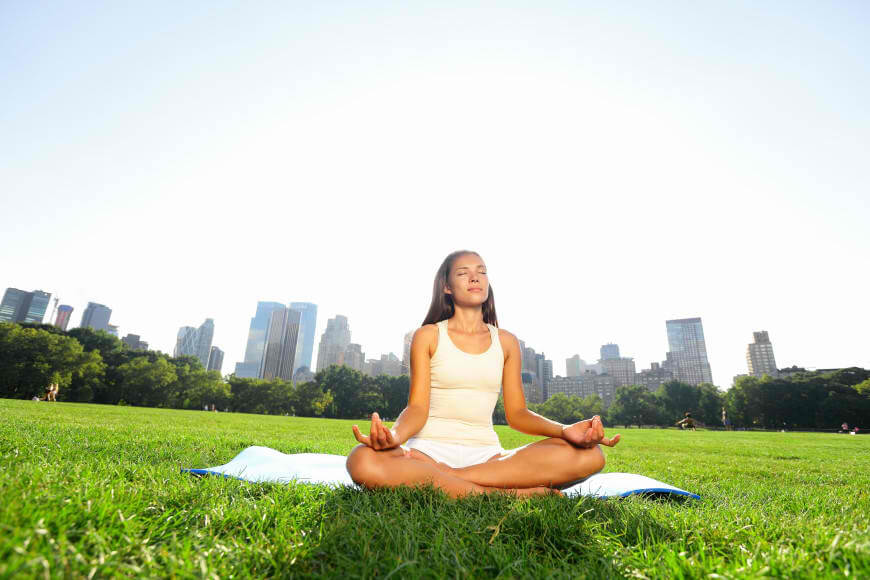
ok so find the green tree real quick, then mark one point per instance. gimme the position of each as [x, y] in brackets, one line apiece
[676, 398]
[634, 405]
[32, 358]
[145, 383]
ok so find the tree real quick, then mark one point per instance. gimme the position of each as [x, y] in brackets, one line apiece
[354, 395]
[634, 405]
[31, 359]
[676, 398]
[143, 383]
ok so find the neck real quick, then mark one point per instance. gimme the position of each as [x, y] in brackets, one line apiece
[467, 319]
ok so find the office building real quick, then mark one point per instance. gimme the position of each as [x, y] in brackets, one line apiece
[759, 355]
[406, 352]
[113, 330]
[64, 313]
[250, 367]
[282, 336]
[96, 316]
[196, 342]
[388, 364]
[575, 366]
[687, 358]
[215, 359]
[609, 351]
[621, 369]
[583, 386]
[333, 342]
[22, 306]
[307, 327]
[653, 377]
[353, 357]
[531, 388]
[134, 342]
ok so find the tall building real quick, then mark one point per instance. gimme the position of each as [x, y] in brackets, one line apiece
[545, 373]
[21, 306]
[96, 316]
[621, 369]
[389, 364]
[250, 368]
[609, 351]
[282, 337]
[64, 313]
[353, 357]
[307, 326]
[759, 355]
[687, 358]
[333, 343]
[195, 341]
[215, 359]
[113, 330]
[575, 366]
[406, 352]
[204, 336]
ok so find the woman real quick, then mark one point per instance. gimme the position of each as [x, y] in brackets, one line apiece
[460, 360]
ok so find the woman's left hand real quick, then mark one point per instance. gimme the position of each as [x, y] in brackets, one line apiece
[588, 433]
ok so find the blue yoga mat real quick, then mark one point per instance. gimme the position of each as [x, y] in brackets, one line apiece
[262, 464]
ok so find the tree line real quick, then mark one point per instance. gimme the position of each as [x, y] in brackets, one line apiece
[96, 367]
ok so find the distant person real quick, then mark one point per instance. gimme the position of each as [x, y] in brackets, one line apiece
[725, 422]
[51, 392]
[687, 422]
[36, 398]
[460, 362]
[844, 428]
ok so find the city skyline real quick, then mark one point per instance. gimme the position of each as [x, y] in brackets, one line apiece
[609, 349]
[615, 165]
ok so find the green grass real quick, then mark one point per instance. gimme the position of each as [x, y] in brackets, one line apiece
[89, 490]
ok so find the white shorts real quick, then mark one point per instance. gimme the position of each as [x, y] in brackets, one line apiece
[452, 454]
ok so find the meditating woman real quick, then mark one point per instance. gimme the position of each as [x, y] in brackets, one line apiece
[460, 360]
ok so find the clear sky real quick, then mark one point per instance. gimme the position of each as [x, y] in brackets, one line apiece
[616, 165]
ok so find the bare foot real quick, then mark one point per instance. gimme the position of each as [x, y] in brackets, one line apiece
[542, 490]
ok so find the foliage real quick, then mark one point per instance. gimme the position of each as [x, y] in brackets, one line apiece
[634, 405]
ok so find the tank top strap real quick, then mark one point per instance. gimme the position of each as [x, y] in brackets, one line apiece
[493, 332]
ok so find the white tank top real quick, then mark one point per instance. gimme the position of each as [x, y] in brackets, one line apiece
[464, 391]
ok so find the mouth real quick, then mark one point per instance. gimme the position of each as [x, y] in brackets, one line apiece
[475, 289]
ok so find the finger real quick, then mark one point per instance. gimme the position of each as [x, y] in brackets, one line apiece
[359, 436]
[610, 442]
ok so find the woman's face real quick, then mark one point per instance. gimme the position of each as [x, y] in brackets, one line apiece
[468, 282]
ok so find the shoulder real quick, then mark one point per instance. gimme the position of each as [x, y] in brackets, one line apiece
[508, 341]
[426, 337]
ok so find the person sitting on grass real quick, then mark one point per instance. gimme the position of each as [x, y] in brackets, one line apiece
[687, 422]
[460, 360]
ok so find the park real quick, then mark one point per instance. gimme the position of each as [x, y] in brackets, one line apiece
[97, 491]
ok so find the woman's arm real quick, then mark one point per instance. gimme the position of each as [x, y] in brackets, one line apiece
[583, 433]
[415, 414]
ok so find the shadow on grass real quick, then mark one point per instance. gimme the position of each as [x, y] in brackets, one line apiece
[423, 533]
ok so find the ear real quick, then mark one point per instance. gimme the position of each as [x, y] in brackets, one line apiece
[447, 289]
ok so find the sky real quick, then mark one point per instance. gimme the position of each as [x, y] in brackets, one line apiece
[616, 165]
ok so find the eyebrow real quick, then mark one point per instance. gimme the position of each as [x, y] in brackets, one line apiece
[466, 267]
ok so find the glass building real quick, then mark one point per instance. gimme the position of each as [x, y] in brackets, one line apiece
[21, 306]
[96, 316]
[307, 323]
[688, 351]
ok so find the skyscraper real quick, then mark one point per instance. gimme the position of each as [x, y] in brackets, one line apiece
[687, 358]
[333, 343]
[250, 368]
[353, 357]
[621, 369]
[759, 355]
[134, 342]
[64, 313]
[96, 316]
[307, 326]
[609, 351]
[215, 359]
[575, 366]
[204, 336]
[195, 341]
[21, 306]
[406, 352]
[282, 337]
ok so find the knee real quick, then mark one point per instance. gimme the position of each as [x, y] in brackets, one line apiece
[589, 461]
[363, 466]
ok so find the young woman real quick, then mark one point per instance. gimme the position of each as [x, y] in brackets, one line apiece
[460, 360]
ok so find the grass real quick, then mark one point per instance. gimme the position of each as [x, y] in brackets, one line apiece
[95, 491]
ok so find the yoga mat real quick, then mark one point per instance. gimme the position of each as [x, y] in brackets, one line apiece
[263, 464]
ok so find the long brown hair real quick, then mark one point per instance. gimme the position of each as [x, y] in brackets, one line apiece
[442, 303]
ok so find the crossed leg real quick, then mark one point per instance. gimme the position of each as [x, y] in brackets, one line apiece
[528, 470]
[392, 468]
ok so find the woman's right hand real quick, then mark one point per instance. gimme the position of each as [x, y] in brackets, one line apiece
[379, 437]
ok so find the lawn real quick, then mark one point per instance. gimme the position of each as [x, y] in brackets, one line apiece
[89, 490]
